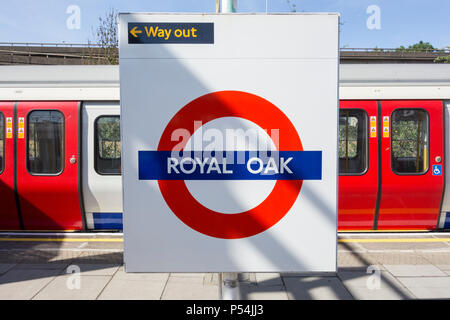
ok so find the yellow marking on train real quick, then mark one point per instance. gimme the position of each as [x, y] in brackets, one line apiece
[380, 240]
[425, 158]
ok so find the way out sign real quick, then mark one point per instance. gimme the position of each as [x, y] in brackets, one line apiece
[229, 127]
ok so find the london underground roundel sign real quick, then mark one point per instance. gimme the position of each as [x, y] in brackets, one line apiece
[171, 165]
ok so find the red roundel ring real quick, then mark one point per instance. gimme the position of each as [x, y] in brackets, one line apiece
[239, 225]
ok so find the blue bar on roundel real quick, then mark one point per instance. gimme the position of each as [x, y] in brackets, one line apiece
[230, 165]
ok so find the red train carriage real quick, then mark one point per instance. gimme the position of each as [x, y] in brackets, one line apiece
[60, 171]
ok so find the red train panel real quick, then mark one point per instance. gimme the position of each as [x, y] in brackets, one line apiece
[47, 165]
[412, 143]
[391, 165]
[9, 217]
[400, 185]
[358, 190]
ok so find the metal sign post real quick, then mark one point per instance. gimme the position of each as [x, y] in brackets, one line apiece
[229, 282]
[228, 6]
[229, 286]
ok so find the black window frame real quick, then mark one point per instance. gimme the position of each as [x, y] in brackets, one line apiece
[428, 143]
[63, 149]
[96, 149]
[2, 167]
[365, 135]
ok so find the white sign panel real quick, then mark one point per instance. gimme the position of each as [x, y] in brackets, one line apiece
[229, 130]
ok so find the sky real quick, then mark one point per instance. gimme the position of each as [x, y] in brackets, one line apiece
[364, 23]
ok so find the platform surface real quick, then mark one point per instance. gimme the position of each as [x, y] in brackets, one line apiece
[90, 266]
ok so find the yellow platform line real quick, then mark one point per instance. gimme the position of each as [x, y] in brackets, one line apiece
[397, 240]
[387, 240]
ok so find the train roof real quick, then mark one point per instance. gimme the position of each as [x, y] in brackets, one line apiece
[394, 74]
[59, 76]
[101, 82]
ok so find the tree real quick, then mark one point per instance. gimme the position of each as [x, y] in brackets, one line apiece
[109, 137]
[292, 6]
[106, 39]
[443, 59]
[420, 46]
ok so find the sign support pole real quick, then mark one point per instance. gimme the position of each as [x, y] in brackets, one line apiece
[229, 286]
[228, 6]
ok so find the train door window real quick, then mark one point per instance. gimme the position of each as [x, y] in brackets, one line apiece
[45, 142]
[352, 142]
[410, 139]
[2, 141]
[107, 145]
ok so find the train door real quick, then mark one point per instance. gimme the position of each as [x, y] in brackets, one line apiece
[102, 180]
[412, 152]
[48, 165]
[9, 217]
[444, 219]
[358, 164]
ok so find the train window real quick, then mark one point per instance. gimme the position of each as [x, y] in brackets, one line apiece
[409, 141]
[107, 145]
[2, 141]
[352, 142]
[45, 142]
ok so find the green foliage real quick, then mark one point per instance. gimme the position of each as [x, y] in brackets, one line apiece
[404, 139]
[443, 59]
[106, 37]
[292, 6]
[109, 137]
[420, 46]
[348, 129]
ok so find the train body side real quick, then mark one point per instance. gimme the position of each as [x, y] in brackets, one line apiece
[381, 186]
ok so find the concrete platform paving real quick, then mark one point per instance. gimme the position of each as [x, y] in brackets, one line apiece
[90, 266]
